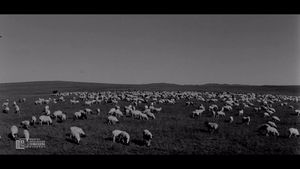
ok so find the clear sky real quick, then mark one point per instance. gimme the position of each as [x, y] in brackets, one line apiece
[182, 49]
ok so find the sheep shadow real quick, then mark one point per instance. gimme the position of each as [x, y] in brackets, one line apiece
[68, 139]
[108, 139]
[11, 137]
[138, 142]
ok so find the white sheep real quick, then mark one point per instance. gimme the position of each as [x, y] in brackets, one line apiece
[26, 134]
[246, 120]
[293, 132]
[211, 126]
[45, 119]
[272, 124]
[98, 111]
[17, 109]
[266, 114]
[230, 119]
[25, 124]
[272, 130]
[147, 136]
[6, 109]
[221, 113]
[57, 113]
[76, 133]
[112, 120]
[33, 120]
[151, 115]
[297, 112]
[121, 136]
[275, 118]
[241, 112]
[14, 131]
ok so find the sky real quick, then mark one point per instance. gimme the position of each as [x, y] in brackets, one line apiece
[138, 49]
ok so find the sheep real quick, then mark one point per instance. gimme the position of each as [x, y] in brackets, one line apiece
[112, 120]
[293, 132]
[241, 112]
[197, 112]
[272, 130]
[33, 120]
[211, 126]
[246, 120]
[275, 118]
[266, 114]
[115, 133]
[45, 119]
[121, 136]
[98, 111]
[6, 110]
[272, 124]
[230, 119]
[17, 109]
[76, 133]
[25, 124]
[57, 113]
[62, 117]
[26, 134]
[80, 115]
[147, 136]
[144, 116]
[87, 110]
[14, 131]
[221, 113]
[151, 115]
[297, 112]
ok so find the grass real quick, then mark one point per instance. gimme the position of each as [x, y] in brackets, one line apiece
[174, 131]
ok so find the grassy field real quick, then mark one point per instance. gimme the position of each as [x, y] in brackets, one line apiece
[174, 131]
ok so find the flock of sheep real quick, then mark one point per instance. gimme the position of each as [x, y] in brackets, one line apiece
[232, 104]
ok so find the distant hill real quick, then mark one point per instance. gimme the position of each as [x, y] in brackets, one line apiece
[46, 87]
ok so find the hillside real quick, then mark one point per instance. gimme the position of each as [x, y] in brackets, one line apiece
[46, 87]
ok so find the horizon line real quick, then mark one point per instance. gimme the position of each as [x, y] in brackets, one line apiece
[232, 84]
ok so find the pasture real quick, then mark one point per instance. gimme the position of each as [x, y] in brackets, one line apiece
[174, 130]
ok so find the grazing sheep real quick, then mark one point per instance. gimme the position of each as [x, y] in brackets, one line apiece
[246, 120]
[57, 113]
[98, 111]
[6, 110]
[17, 109]
[76, 133]
[197, 112]
[297, 112]
[62, 117]
[272, 130]
[112, 120]
[241, 112]
[14, 131]
[221, 113]
[121, 136]
[293, 132]
[230, 119]
[275, 118]
[87, 110]
[26, 134]
[33, 120]
[45, 119]
[147, 136]
[115, 133]
[25, 124]
[266, 114]
[211, 126]
[151, 115]
[272, 124]
[80, 115]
